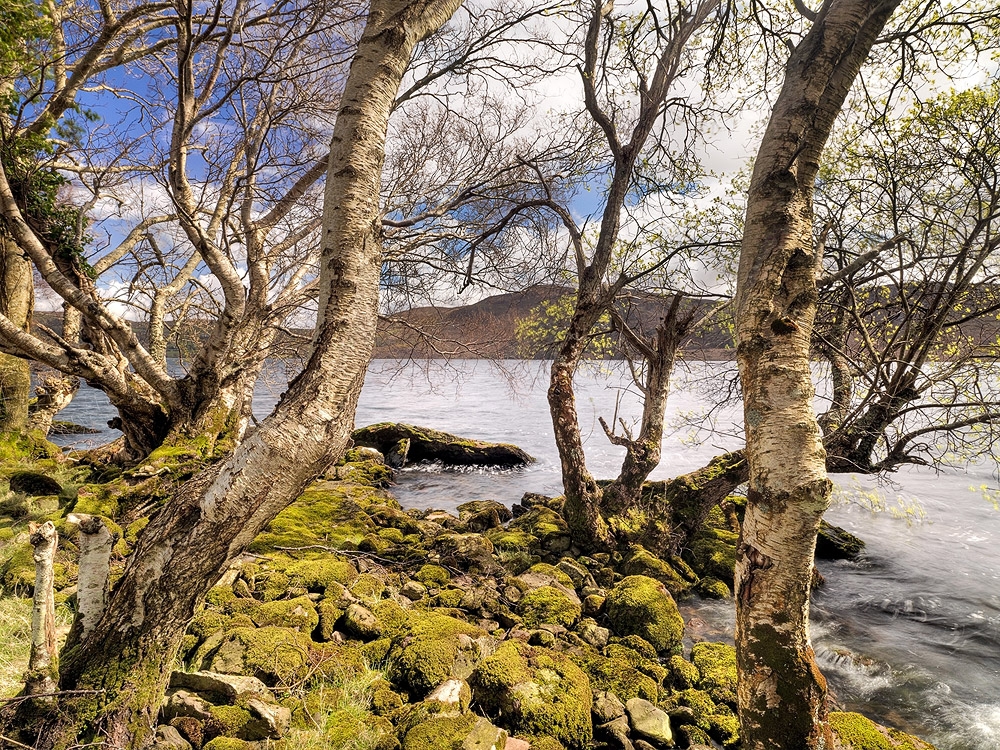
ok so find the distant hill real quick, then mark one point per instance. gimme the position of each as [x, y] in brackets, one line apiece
[484, 329]
[488, 328]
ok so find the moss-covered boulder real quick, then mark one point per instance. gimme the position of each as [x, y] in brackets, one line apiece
[835, 543]
[548, 605]
[34, 484]
[545, 525]
[713, 553]
[454, 732]
[642, 562]
[535, 691]
[333, 514]
[618, 676]
[642, 606]
[429, 648]
[298, 613]
[276, 656]
[716, 663]
[852, 731]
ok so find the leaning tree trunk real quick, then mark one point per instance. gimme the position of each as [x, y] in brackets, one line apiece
[583, 495]
[17, 299]
[182, 552]
[782, 695]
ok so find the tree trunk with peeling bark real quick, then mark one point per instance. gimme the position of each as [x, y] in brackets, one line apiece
[17, 300]
[212, 519]
[782, 694]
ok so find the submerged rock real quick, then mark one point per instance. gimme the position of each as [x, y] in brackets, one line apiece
[835, 543]
[433, 445]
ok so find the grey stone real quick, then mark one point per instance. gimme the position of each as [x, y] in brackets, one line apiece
[360, 621]
[395, 457]
[616, 731]
[577, 573]
[227, 686]
[485, 736]
[593, 633]
[649, 722]
[413, 590]
[183, 703]
[453, 695]
[607, 707]
[268, 721]
[168, 738]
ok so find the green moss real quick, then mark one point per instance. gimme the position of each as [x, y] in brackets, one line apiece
[433, 576]
[713, 553]
[133, 530]
[392, 618]
[713, 588]
[724, 728]
[537, 692]
[367, 587]
[227, 743]
[298, 613]
[329, 613]
[545, 743]
[642, 606]
[644, 563]
[328, 513]
[228, 720]
[717, 664]
[449, 598]
[427, 649]
[274, 655]
[385, 700]
[207, 622]
[319, 572]
[617, 675]
[700, 702]
[683, 674]
[547, 604]
[857, 732]
[393, 536]
[507, 539]
[98, 500]
[439, 733]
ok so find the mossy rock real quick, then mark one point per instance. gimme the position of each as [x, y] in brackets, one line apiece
[544, 570]
[683, 674]
[547, 526]
[318, 573]
[548, 605]
[642, 562]
[642, 606]
[433, 576]
[277, 656]
[724, 728]
[227, 743]
[368, 587]
[716, 662]
[852, 731]
[34, 484]
[700, 703]
[535, 691]
[298, 613]
[426, 649]
[333, 514]
[512, 539]
[226, 720]
[712, 588]
[385, 700]
[617, 675]
[440, 733]
[713, 553]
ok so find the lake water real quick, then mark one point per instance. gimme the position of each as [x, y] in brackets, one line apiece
[910, 635]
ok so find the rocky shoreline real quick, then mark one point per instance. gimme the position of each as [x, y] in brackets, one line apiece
[353, 623]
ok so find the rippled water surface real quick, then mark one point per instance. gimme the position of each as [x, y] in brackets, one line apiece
[909, 635]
